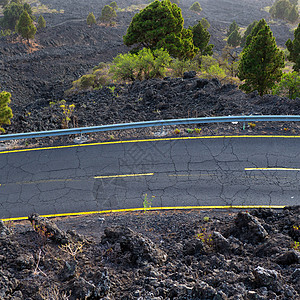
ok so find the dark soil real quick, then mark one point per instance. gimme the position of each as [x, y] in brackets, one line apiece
[154, 255]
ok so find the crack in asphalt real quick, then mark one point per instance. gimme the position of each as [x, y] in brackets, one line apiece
[186, 172]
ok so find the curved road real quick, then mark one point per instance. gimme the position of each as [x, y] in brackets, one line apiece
[177, 172]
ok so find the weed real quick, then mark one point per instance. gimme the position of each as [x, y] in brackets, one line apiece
[198, 130]
[189, 130]
[296, 246]
[54, 293]
[147, 203]
[205, 237]
[112, 89]
[72, 248]
[206, 219]
[67, 112]
[42, 232]
[177, 131]
[111, 137]
[251, 125]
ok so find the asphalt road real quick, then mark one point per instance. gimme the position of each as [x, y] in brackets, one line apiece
[205, 171]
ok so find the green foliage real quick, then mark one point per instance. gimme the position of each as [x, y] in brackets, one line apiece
[234, 38]
[25, 26]
[11, 15]
[5, 32]
[114, 5]
[196, 7]
[247, 32]
[160, 25]
[210, 68]
[145, 64]
[205, 23]
[5, 110]
[285, 10]
[294, 49]
[201, 38]
[289, 86]
[230, 60]
[147, 203]
[4, 2]
[91, 20]
[41, 22]
[107, 14]
[261, 61]
[233, 26]
[180, 66]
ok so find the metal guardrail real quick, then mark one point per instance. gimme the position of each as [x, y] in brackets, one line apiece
[158, 123]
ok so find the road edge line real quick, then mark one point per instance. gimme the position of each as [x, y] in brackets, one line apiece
[150, 209]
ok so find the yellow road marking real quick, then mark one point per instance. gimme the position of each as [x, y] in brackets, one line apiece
[271, 169]
[152, 209]
[152, 140]
[125, 175]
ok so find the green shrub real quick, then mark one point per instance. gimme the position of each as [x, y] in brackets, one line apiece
[41, 22]
[143, 65]
[178, 67]
[5, 110]
[114, 5]
[91, 20]
[289, 86]
[196, 7]
[107, 14]
[87, 81]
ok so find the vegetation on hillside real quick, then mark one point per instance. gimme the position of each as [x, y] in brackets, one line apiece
[25, 26]
[160, 25]
[285, 10]
[294, 49]
[261, 61]
[5, 110]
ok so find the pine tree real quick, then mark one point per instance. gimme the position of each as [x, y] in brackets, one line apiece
[41, 22]
[201, 38]
[196, 7]
[114, 5]
[205, 23]
[294, 49]
[293, 14]
[25, 26]
[233, 26]
[5, 110]
[107, 14]
[91, 20]
[234, 38]
[247, 32]
[160, 25]
[261, 61]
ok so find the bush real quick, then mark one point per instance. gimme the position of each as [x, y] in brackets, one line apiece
[5, 110]
[285, 10]
[114, 5]
[210, 68]
[178, 67]
[143, 65]
[91, 20]
[41, 22]
[289, 86]
[107, 14]
[234, 38]
[196, 7]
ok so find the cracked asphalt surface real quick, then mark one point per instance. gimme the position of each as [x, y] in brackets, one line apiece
[204, 171]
